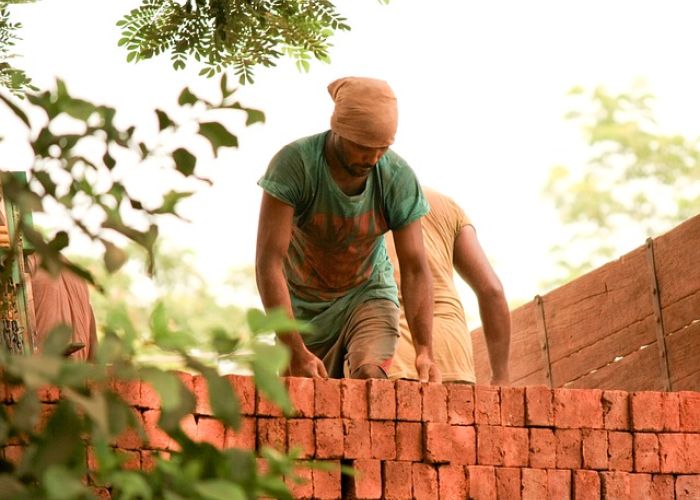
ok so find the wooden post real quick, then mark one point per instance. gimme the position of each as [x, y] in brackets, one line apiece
[658, 317]
[544, 340]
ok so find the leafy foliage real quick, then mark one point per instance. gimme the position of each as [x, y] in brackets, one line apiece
[231, 33]
[73, 175]
[11, 78]
[637, 182]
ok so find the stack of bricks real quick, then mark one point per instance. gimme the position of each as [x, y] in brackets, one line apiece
[410, 440]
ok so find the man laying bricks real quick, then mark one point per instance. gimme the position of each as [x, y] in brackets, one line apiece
[328, 200]
[451, 243]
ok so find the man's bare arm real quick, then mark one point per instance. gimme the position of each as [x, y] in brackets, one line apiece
[274, 235]
[417, 293]
[473, 266]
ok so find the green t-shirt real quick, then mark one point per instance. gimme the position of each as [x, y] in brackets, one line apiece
[337, 258]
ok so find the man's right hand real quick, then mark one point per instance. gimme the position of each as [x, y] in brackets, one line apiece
[307, 365]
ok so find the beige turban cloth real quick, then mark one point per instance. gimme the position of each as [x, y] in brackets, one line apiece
[365, 111]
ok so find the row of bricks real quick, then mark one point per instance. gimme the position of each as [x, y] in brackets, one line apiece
[376, 479]
[432, 442]
[534, 406]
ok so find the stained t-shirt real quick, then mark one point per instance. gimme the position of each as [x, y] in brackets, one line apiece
[452, 346]
[337, 257]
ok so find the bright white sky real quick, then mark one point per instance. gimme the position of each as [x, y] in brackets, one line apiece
[481, 88]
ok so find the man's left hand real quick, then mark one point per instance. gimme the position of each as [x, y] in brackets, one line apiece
[427, 369]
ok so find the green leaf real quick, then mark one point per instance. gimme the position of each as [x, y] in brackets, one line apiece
[187, 97]
[94, 405]
[62, 484]
[267, 362]
[77, 108]
[130, 485]
[164, 120]
[217, 135]
[114, 257]
[275, 321]
[16, 110]
[57, 340]
[223, 401]
[170, 201]
[254, 116]
[185, 161]
[220, 489]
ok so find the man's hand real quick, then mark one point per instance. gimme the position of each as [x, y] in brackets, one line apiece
[427, 369]
[307, 365]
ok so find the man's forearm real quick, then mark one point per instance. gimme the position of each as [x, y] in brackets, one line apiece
[417, 293]
[495, 317]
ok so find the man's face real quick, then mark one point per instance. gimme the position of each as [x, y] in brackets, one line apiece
[357, 160]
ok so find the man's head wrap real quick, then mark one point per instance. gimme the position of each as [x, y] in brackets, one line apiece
[365, 111]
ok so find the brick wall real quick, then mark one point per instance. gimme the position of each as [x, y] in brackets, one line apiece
[411, 440]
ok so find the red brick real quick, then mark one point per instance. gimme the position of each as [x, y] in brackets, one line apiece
[672, 453]
[189, 426]
[692, 445]
[507, 483]
[578, 408]
[515, 445]
[367, 482]
[620, 451]
[130, 459]
[513, 406]
[149, 459]
[128, 390]
[101, 493]
[408, 400]
[539, 410]
[245, 437]
[201, 396]
[244, 387]
[662, 486]
[655, 411]
[156, 438]
[488, 445]
[272, 432]
[487, 405]
[329, 437]
[534, 484]
[594, 449]
[646, 452]
[425, 481]
[559, 483]
[616, 413]
[381, 399]
[568, 448]
[437, 444]
[383, 439]
[543, 448]
[354, 398]
[48, 394]
[689, 406]
[398, 481]
[300, 435]
[212, 431]
[640, 486]
[616, 485]
[301, 394]
[300, 481]
[688, 487]
[265, 407]
[409, 441]
[14, 454]
[586, 485]
[460, 404]
[464, 445]
[452, 480]
[357, 438]
[327, 482]
[482, 482]
[13, 393]
[434, 402]
[327, 397]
